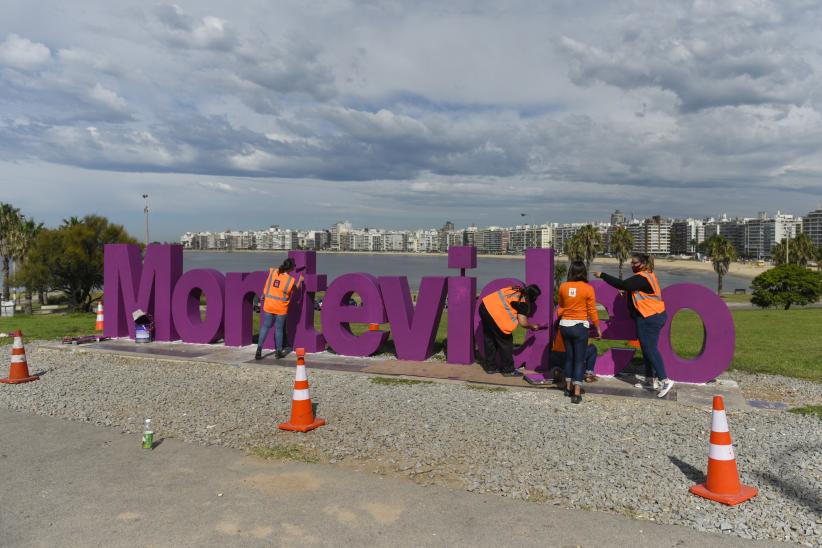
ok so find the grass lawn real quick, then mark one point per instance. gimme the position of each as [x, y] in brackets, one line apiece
[780, 342]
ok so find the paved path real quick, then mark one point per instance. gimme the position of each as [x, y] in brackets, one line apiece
[72, 484]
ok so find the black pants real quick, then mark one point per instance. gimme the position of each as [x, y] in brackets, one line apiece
[496, 342]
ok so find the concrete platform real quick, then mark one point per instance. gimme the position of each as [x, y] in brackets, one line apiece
[695, 395]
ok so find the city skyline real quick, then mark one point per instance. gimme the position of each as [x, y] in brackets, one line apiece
[752, 237]
[406, 114]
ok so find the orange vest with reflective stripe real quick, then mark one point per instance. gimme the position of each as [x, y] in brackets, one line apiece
[649, 304]
[277, 292]
[498, 305]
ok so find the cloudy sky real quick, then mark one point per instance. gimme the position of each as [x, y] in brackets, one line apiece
[407, 114]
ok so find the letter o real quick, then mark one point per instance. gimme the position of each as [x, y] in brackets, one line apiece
[185, 306]
[720, 338]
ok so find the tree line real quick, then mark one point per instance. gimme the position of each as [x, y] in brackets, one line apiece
[68, 258]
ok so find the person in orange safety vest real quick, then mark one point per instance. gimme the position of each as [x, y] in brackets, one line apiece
[501, 312]
[276, 296]
[648, 310]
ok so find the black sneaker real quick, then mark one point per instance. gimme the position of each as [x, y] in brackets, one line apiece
[279, 354]
[258, 355]
[490, 370]
[513, 373]
[576, 398]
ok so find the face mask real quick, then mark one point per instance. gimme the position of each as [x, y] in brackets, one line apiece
[636, 268]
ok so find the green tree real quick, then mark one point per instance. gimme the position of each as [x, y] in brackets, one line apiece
[786, 285]
[622, 242]
[71, 257]
[721, 252]
[801, 251]
[27, 231]
[584, 245]
[560, 273]
[9, 236]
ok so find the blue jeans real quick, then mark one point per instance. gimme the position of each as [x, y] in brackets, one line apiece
[558, 359]
[266, 321]
[648, 330]
[576, 342]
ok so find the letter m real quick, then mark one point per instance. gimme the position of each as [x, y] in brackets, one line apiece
[130, 283]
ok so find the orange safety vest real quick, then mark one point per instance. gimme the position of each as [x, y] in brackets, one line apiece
[277, 292]
[649, 304]
[498, 305]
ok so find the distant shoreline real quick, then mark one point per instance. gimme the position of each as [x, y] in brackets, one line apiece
[662, 264]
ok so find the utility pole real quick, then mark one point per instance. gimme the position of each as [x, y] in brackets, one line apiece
[145, 211]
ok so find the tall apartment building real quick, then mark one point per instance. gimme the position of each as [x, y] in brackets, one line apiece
[731, 229]
[617, 218]
[651, 236]
[395, 241]
[686, 235]
[563, 233]
[338, 240]
[762, 233]
[812, 226]
[492, 240]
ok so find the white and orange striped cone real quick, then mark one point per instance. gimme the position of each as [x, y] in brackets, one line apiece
[723, 483]
[19, 369]
[302, 412]
[99, 326]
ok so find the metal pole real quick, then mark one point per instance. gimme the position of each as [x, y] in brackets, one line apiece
[787, 244]
[145, 211]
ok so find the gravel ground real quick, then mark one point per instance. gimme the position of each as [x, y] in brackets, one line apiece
[635, 457]
[794, 392]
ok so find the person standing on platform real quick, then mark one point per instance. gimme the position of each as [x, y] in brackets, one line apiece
[558, 358]
[276, 298]
[501, 312]
[577, 311]
[648, 310]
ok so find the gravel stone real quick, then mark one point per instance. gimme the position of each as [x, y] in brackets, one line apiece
[629, 456]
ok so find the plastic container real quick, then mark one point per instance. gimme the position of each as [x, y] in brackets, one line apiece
[148, 435]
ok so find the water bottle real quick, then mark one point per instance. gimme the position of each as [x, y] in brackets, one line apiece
[148, 435]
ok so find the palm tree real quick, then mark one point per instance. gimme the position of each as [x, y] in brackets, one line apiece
[27, 232]
[721, 252]
[801, 251]
[622, 242]
[584, 245]
[9, 228]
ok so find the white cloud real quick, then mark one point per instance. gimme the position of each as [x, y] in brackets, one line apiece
[22, 53]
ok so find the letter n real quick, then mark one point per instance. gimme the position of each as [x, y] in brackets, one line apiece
[130, 284]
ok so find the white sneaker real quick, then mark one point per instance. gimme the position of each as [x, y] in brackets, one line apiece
[665, 388]
[656, 384]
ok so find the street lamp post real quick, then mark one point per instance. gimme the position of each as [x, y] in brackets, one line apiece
[145, 211]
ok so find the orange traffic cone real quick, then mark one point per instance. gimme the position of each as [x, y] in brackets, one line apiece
[302, 412]
[634, 343]
[723, 478]
[99, 325]
[19, 369]
[373, 327]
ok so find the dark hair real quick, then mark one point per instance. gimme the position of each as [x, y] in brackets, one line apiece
[577, 272]
[287, 266]
[645, 260]
[530, 292]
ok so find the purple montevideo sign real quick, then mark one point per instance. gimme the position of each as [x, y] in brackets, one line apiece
[720, 338]
[132, 283]
[462, 292]
[157, 286]
[413, 328]
[337, 315]
[185, 306]
[618, 326]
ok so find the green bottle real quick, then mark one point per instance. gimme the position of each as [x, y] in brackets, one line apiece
[148, 435]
